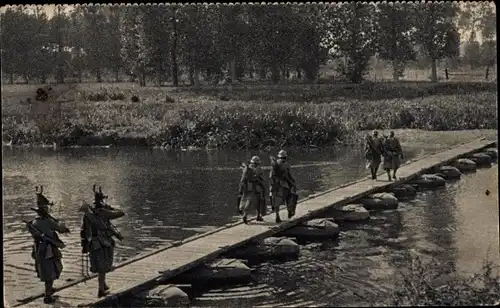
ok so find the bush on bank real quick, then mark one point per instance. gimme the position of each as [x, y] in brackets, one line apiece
[324, 93]
[202, 121]
[418, 287]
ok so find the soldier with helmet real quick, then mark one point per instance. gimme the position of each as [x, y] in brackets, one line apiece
[97, 237]
[282, 186]
[374, 150]
[46, 249]
[252, 189]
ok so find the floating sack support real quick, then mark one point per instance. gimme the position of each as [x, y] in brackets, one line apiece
[316, 229]
[449, 172]
[427, 181]
[481, 159]
[380, 201]
[350, 212]
[165, 295]
[270, 248]
[404, 191]
[465, 165]
[223, 270]
[492, 152]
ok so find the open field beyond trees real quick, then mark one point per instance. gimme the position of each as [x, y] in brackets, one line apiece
[240, 116]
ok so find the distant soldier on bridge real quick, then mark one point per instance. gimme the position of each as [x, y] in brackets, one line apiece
[46, 249]
[393, 154]
[282, 186]
[373, 153]
[97, 237]
[252, 190]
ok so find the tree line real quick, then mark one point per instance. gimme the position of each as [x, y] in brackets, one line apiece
[230, 42]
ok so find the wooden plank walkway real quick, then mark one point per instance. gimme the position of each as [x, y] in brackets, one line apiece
[143, 272]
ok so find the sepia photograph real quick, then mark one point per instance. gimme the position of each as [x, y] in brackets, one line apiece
[271, 154]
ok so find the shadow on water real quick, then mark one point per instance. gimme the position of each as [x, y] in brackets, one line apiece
[169, 196]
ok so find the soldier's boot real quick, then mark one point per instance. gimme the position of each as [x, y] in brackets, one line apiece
[259, 215]
[375, 170]
[394, 175]
[278, 219]
[245, 221]
[389, 174]
[102, 285]
[49, 291]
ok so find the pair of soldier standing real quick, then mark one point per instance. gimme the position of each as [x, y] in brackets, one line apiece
[387, 147]
[96, 235]
[282, 188]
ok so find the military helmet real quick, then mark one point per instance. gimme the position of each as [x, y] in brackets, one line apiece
[255, 160]
[282, 154]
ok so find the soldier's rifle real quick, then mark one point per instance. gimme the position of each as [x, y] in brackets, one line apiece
[41, 236]
[109, 224]
[45, 214]
[102, 225]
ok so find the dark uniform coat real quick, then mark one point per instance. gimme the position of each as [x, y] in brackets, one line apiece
[252, 189]
[96, 231]
[373, 151]
[48, 257]
[393, 153]
[282, 185]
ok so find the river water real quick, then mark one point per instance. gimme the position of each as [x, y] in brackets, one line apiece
[168, 196]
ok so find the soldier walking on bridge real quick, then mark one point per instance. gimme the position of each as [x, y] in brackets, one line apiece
[97, 237]
[252, 189]
[282, 186]
[392, 156]
[373, 152]
[48, 257]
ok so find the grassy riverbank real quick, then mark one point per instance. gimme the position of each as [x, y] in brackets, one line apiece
[241, 116]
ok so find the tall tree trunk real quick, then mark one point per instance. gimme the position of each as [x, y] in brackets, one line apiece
[395, 70]
[191, 74]
[173, 54]
[11, 78]
[117, 74]
[98, 74]
[434, 71]
[299, 73]
[487, 72]
[250, 71]
[196, 77]
[262, 72]
[234, 76]
[275, 73]
[60, 59]
[60, 67]
[142, 80]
